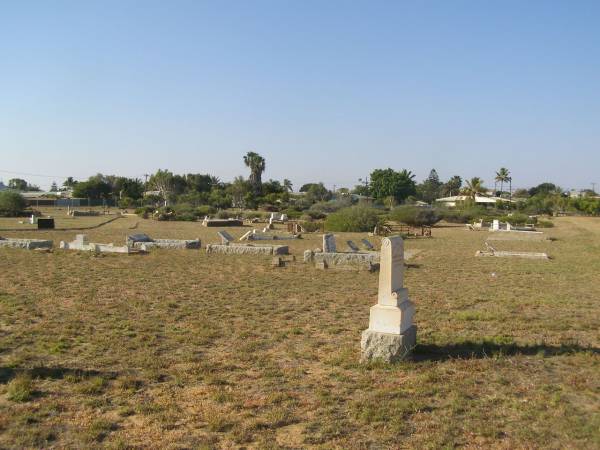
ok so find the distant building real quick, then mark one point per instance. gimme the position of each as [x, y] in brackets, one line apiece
[479, 200]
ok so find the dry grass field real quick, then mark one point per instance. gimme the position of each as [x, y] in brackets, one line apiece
[180, 349]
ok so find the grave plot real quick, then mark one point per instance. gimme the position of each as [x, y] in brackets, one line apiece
[502, 229]
[222, 222]
[28, 244]
[82, 243]
[491, 251]
[254, 235]
[228, 247]
[145, 242]
[329, 257]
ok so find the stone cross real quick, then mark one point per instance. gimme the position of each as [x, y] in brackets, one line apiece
[226, 238]
[329, 243]
[391, 334]
[352, 246]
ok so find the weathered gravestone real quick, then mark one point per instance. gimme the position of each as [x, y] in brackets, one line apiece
[391, 334]
[367, 244]
[352, 246]
[329, 243]
[226, 238]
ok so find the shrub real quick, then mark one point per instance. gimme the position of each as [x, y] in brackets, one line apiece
[311, 227]
[544, 224]
[355, 218]
[314, 215]
[204, 210]
[415, 216]
[463, 215]
[223, 214]
[126, 202]
[331, 206]
[516, 219]
[20, 389]
[292, 213]
[12, 204]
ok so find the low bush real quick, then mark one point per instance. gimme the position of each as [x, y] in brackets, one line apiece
[204, 210]
[463, 215]
[544, 224]
[355, 218]
[20, 389]
[292, 213]
[516, 219]
[224, 214]
[311, 227]
[330, 206]
[144, 211]
[415, 215]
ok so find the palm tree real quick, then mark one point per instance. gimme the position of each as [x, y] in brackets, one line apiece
[287, 185]
[474, 187]
[256, 163]
[502, 176]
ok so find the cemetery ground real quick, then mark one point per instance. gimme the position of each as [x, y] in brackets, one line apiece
[180, 349]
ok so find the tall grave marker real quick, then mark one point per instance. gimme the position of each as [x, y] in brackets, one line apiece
[391, 334]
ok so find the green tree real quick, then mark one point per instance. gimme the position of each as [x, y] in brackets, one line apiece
[95, 187]
[11, 203]
[287, 184]
[431, 188]
[474, 187]
[389, 183]
[163, 181]
[18, 184]
[317, 192]
[257, 165]
[452, 186]
[502, 176]
[239, 190]
[544, 189]
[69, 182]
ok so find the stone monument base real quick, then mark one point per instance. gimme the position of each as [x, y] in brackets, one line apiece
[387, 347]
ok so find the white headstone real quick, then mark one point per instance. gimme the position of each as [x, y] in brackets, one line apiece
[496, 224]
[391, 334]
[329, 243]
[391, 271]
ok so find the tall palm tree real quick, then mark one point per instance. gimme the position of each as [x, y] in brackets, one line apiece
[502, 176]
[287, 185]
[474, 187]
[256, 163]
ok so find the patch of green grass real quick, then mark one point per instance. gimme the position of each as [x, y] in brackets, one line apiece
[20, 388]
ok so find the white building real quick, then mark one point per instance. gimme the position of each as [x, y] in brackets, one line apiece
[479, 200]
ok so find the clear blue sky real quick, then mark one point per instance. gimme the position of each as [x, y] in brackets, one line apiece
[324, 90]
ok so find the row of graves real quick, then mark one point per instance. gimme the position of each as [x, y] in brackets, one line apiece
[504, 231]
